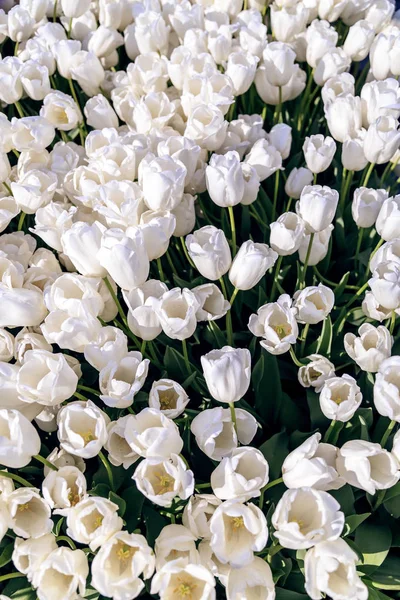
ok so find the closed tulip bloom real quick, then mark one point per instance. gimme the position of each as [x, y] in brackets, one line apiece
[99, 113]
[280, 137]
[120, 381]
[21, 307]
[227, 373]
[124, 257]
[62, 575]
[287, 233]
[296, 181]
[276, 324]
[312, 464]
[359, 40]
[20, 24]
[316, 372]
[163, 480]
[224, 178]
[35, 80]
[197, 512]
[367, 466]
[319, 152]
[279, 60]
[249, 580]
[141, 301]
[176, 311]
[175, 541]
[237, 531]
[339, 398]
[34, 190]
[64, 488]
[313, 303]
[387, 390]
[344, 117]
[216, 435]
[32, 133]
[92, 521]
[74, 8]
[207, 127]
[264, 158]
[6, 345]
[306, 517]
[372, 309]
[153, 435]
[371, 348]
[156, 228]
[337, 87]
[320, 246]
[81, 244]
[385, 285]
[389, 252]
[382, 140]
[112, 344]
[388, 220]
[330, 568]
[30, 514]
[20, 440]
[169, 397]
[162, 181]
[317, 207]
[321, 37]
[384, 55]
[366, 204]
[88, 71]
[212, 303]
[379, 99]
[82, 429]
[188, 576]
[120, 565]
[353, 156]
[61, 111]
[288, 21]
[241, 68]
[333, 62]
[251, 264]
[210, 252]
[241, 475]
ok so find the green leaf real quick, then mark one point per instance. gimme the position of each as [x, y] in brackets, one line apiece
[317, 418]
[175, 364]
[392, 501]
[387, 577]
[101, 489]
[374, 542]
[341, 286]
[134, 501]
[282, 594]
[120, 502]
[267, 387]
[353, 521]
[5, 556]
[325, 339]
[345, 497]
[275, 450]
[154, 523]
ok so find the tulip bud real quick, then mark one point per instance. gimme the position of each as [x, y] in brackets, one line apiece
[359, 40]
[385, 285]
[317, 207]
[185, 216]
[319, 152]
[371, 348]
[279, 61]
[162, 181]
[287, 22]
[99, 113]
[34, 190]
[388, 220]
[241, 68]
[379, 14]
[386, 392]
[227, 373]
[20, 24]
[276, 324]
[124, 257]
[344, 117]
[313, 303]
[382, 140]
[296, 181]
[176, 311]
[383, 56]
[333, 62]
[316, 372]
[35, 80]
[250, 265]
[366, 205]
[169, 397]
[280, 137]
[353, 156]
[88, 71]
[330, 568]
[207, 127]
[210, 252]
[229, 480]
[367, 466]
[81, 243]
[224, 177]
[321, 37]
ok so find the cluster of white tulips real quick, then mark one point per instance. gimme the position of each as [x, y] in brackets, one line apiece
[199, 292]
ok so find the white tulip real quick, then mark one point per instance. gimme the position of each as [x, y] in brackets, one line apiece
[385, 285]
[312, 464]
[388, 219]
[120, 381]
[237, 531]
[382, 140]
[330, 568]
[276, 324]
[92, 521]
[64, 488]
[366, 205]
[197, 513]
[169, 397]
[227, 373]
[19, 440]
[359, 40]
[119, 565]
[287, 233]
[340, 397]
[306, 517]
[386, 389]
[32, 133]
[82, 429]
[317, 207]
[124, 257]
[29, 554]
[81, 244]
[265, 159]
[313, 303]
[162, 481]
[61, 111]
[321, 37]
[319, 249]
[212, 303]
[371, 348]
[210, 252]
[367, 466]
[252, 579]
[176, 311]
[186, 579]
[153, 435]
[141, 301]
[319, 152]
[206, 126]
[61, 575]
[112, 344]
[30, 514]
[251, 264]
[316, 372]
[241, 475]
[175, 541]
[6, 345]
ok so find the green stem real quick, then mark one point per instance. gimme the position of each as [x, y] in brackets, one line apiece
[11, 576]
[108, 469]
[117, 302]
[21, 221]
[235, 293]
[80, 397]
[294, 358]
[329, 431]
[387, 433]
[392, 322]
[315, 179]
[233, 228]
[278, 114]
[55, 11]
[276, 191]
[359, 241]
[185, 250]
[64, 538]
[143, 347]
[16, 48]
[368, 175]
[304, 338]
[303, 273]
[69, 28]
[85, 388]
[186, 357]
[276, 275]
[272, 484]
[229, 328]
[45, 462]
[7, 188]
[16, 478]
[20, 110]
[160, 270]
[233, 415]
[171, 264]
[374, 251]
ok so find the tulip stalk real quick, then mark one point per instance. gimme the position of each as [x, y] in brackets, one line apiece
[233, 228]
[45, 462]
[16, 478]
[233, 415]
[229, 328]
[303, 273]
[107, 467]
[387, 433]
[329, 431]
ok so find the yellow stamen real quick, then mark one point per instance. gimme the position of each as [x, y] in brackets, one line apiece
[237, 522]
[23, 507]
[124, 552]
[282, 331]
[184, 589]
[87, 436]
[166, 483]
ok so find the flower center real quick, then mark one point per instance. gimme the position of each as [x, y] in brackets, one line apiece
[184, 590]
[124, 552]
[88, 436]
[23, 507]
[237, 522]
[165, 483]
[282, 330]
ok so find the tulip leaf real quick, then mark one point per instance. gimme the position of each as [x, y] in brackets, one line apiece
[374, 542]
[134, 500]
[5, 556]
[120, 502]
[282, 594]
[325, 339]
[345, 497]
[387, 577]
[275, 450]
[154, 523]
[317, 418]
[392, 501]
[341, 286]
[267, 387]
[175, 364]
[353, 521]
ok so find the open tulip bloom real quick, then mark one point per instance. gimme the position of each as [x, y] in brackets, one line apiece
[199, 299]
